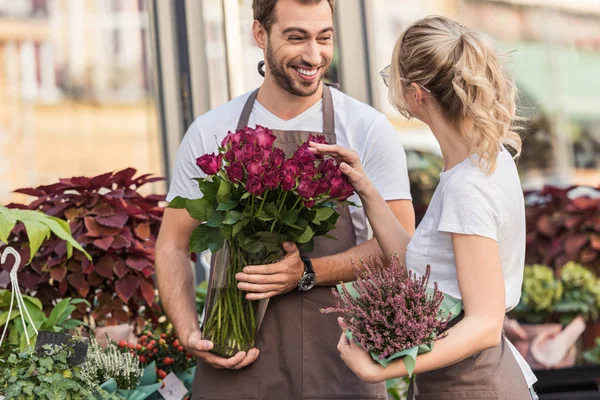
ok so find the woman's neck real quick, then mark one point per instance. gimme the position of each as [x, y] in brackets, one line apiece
[454, 147]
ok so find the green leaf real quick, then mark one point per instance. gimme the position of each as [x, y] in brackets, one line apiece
[216, 220]
[271, 209]
[224, 192]
[60, 312]
[237, 229]
[232, 217]
[323, 214]
[227, 205]
[177, 203]
[7, 223]
[209, 189]
[217, 241]
[245, 196]
[200, 238]
[198, 208]
[37, 232]
[226, 232]
[306, 236]
[47, 363]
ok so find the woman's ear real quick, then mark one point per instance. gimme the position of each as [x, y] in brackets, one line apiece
[417, 93]
[260, 35]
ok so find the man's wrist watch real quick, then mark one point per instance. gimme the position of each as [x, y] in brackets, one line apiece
[308, 279]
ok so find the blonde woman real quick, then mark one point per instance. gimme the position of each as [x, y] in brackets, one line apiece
[473, 233]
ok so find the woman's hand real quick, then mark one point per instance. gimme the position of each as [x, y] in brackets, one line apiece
[357, 359]
[349, 164]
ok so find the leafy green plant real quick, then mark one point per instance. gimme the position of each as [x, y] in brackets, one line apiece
[201, 291]
[58, 320]
[581, 293]
[26, 376]
[593, 355]
[38, 227]
[540, 293]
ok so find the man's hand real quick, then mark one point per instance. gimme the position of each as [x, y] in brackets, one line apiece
[200, 348]
[266, 281]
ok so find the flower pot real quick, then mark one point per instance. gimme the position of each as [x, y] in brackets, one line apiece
[231, 321]
[533, 331]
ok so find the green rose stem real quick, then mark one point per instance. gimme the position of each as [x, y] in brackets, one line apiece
[263, 201]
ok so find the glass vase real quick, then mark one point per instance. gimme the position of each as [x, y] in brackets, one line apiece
[231, 321]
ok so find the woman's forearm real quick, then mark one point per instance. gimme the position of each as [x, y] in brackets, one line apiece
[391, 236]
[470, 336]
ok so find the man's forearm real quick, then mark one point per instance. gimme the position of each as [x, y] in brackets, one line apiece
[337, 268]
[175, 281]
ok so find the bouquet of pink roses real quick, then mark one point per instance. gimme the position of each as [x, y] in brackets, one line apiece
[255, 198]
[392, 314]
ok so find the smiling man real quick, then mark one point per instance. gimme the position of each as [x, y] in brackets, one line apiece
[296, 354]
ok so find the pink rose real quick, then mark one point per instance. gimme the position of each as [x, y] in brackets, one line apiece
[273, 178]
[235, 171]
[255, 168]
[277, 158]
[210, 164]
[310, 203]
[307, 188]
[292, 167]
[304, 156]
[289, 182]
[254, 185]
[262, 137]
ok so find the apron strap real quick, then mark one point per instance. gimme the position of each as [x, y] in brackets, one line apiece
[328, 112]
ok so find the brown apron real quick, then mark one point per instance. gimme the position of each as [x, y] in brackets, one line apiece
[298, 344]
[491, 374]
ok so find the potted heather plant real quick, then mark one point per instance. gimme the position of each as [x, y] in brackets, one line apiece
[255, 198]
[392, 314]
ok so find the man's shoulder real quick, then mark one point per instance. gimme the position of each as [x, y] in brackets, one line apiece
[224, 117]
[353, 108]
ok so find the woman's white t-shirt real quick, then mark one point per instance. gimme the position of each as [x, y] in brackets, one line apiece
[469, 202]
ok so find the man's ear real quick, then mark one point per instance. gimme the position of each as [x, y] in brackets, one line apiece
[260, 35]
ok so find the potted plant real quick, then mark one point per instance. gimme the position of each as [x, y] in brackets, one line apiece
[118, 226]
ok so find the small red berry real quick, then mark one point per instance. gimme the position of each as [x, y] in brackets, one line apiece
[180, 348]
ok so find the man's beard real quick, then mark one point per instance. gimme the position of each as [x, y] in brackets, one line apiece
[305, 89]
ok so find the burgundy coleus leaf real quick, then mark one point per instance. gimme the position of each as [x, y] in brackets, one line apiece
[100, 180]
[62, 287]
[574, 244]
[123, 177]
[54, 261]
[78, 281]
[137, 263]
[142, 231]
[118, 220]
[95, 279]
[147, 289]
[121, 315]
[57, 209]
[115, 194]
[58, 273]
[127, 286]
[29, 280]
[94, 229]
[75, 213]
[156, 197]
[148, 271]
[104, 243]
[60, 249]
[105, 266]
[547, 226]
[119, 242]
[121, 268]
[103, 210]
[36, 192]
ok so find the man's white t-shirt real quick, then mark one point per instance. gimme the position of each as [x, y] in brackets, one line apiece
[357, 126]
[468, 202]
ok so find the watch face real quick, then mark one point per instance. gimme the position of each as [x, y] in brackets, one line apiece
[307, 282]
